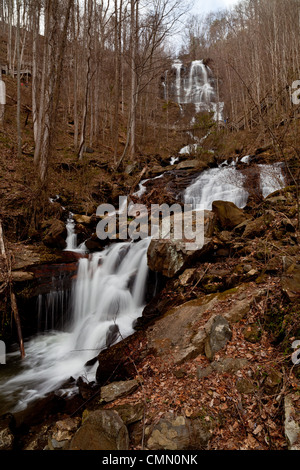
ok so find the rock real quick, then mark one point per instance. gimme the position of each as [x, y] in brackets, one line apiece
[255, 227]
[56, 235]
[6, 439]
[21, 276]
[117, 390]
[252, 333]
[169, 257]
[292, 421]
[101, 430]
[195, 164]
[290, 282]
[226, 365]
[225, 236]
[130, 413]
[64, 430]
[272, 381]
[178, 433]
[117, 363]
[245, 386]
[187, 277]
[94, 243]
[219, 336]
[229, 214]
[26, 256]
[177, 336]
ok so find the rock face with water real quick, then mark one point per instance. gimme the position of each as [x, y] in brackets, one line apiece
[193, 84]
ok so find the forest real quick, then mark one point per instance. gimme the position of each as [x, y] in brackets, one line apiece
[153, 103]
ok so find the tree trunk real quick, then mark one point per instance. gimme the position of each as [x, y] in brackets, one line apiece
[88, 79]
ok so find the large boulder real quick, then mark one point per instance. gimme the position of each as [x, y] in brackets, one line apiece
[178, 433]
[229, 215]
[101, 430]
[56, 234]
[115, 390]
[170, 257]
[181, 334]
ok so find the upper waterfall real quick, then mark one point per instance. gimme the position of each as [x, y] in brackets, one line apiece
[194, 84]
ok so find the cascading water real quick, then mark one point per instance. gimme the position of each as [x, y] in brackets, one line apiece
[225, 184]
[109, 291]
[71, 240]
[228, 183]
[271, 178]
[196, 86]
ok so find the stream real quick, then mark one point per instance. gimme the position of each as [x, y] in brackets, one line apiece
[108, 294]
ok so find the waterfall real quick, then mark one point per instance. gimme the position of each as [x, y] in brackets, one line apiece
[71, 235]
[228, 183]
[194, 85]
[225, 183]
[109, 291]
[271, 178]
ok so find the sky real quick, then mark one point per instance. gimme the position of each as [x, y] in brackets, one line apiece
[206, 6]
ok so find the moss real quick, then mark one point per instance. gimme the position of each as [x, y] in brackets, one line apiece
[224, 294]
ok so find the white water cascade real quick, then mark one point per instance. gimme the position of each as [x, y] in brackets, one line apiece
[196, 86]
[228, 183]
[108, 294]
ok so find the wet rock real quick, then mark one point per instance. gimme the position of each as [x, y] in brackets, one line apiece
[292, 421]
[101, 430]
[94, 243]
[195, 164]
[117, 362]
[56, 234]
[229, 214]
[178, 433]
[219, 336]
[117, 390]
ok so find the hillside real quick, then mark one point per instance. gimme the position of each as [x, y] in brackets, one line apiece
[148, 345]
